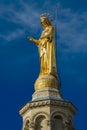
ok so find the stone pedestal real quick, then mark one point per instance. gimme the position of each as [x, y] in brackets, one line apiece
[46, 87]
[46, 94]
[46, 81]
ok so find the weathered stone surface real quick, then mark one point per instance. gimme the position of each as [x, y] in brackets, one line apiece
[50, 93]
[47, 114]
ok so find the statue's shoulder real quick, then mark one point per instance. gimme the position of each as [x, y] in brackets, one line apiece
[51, 27]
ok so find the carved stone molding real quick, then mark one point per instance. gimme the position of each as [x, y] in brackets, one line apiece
[50, 123]
[42, 103]
[32, 124]
[68, 124]
[26, 125]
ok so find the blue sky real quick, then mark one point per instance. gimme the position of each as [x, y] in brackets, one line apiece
[19, 60]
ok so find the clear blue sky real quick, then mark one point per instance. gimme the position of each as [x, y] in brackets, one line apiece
[19, 60]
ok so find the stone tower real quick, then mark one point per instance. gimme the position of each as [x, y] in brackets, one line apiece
[47, 110]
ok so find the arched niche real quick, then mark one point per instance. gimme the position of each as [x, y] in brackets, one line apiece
[26, 124]
[40, 114]
[58, 122]
[41, 123]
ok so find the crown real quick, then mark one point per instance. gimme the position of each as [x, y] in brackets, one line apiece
[46, 15]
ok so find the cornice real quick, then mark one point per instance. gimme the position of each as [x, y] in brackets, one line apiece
[59, 103]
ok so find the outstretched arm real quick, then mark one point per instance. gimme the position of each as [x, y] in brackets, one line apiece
[33, 40]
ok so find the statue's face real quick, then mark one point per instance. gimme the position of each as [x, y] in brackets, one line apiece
[43, 22]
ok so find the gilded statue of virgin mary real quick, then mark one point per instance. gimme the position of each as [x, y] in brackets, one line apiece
[46, 47]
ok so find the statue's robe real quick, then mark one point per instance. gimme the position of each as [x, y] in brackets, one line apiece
[46, 48]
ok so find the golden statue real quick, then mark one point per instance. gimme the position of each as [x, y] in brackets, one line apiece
[46, 47]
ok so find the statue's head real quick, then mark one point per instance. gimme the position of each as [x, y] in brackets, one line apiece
[45, 21]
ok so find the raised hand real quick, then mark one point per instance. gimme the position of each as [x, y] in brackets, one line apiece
[31, 39]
